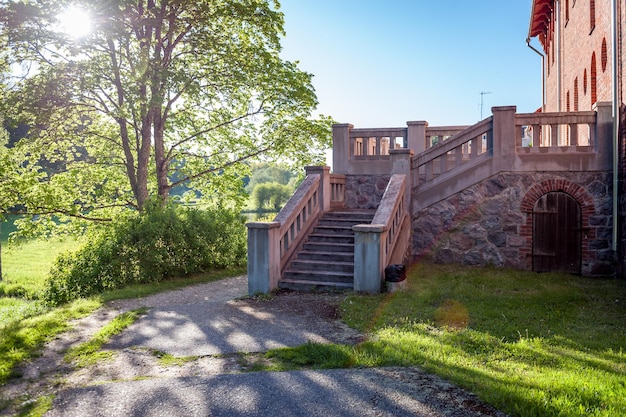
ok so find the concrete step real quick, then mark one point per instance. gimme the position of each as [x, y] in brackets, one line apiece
[358, 215]
[331, 238]
[326, 256]
[343, 221]
[319, 276]
[316, 265]
[328, 247]
[310, 286]
[326, 261]
[334, 229]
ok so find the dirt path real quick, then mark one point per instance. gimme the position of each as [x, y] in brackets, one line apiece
[49, 372]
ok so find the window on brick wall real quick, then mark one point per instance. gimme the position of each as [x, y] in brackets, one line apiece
[592, 15]
[567, 102]
[566, 11]
[585, 82]
[603, 55]
[576, 94]
[593, 80]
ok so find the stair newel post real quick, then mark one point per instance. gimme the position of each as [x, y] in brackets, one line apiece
[416, 136]
[341, 148]
[401, 164]
[503, 137]
[263, 256]
[368, 258]
[324, 190]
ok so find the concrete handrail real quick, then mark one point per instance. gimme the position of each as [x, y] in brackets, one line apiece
[298, 216]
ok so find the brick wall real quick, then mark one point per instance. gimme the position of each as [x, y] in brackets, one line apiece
[578, 44]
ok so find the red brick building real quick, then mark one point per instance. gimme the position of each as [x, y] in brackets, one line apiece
[583, 44]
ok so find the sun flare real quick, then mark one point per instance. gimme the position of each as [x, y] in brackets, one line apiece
[75, 22]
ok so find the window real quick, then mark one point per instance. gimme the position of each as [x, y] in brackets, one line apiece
[576, 94]
[603, 55]
[592, 15]
[566, 11]
[593, 80]
[585, 82]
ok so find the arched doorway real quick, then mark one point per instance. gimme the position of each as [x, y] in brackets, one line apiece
[557, 234]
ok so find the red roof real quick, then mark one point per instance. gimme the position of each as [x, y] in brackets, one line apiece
[540, 19]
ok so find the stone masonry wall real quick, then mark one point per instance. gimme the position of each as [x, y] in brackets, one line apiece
[365, 191]
[490, 223]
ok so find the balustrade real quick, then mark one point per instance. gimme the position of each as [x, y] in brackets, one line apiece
[538, 132]
[372, 144]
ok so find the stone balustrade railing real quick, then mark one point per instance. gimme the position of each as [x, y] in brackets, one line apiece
[437, 134]
[376, 243]
[463, 147]
[576, 131]
[337, 191]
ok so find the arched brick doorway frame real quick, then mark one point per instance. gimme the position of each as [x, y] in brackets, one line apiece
[578, 193]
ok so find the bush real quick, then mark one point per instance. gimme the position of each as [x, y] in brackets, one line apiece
[158, 244]
[271, 194]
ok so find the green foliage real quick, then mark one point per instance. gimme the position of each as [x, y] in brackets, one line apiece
[529, 344]
[157, 244]
[158, 96]
[267, 172]
[271, 195]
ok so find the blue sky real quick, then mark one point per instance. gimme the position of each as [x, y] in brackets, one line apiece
[381, 63]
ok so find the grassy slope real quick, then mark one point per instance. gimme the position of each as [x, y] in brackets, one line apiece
[530, 344]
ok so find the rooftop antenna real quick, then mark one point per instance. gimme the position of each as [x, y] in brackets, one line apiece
[482, 95]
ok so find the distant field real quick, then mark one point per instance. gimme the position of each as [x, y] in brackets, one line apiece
[28, 264]
[24, 271]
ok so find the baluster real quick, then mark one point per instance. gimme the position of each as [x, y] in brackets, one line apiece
[554, 139]
[573, 134]
[537, 140]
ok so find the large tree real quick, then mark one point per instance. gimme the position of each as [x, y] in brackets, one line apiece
[158, 94]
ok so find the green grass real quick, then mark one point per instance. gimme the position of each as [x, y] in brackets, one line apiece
[89, 352]
[25, 266]
[21, 340]
[529, 344]
[38, 407]
[166, 359]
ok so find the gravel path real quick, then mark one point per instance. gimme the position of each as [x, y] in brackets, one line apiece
[216, 325]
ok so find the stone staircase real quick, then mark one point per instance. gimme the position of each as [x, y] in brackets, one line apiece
[326, 261]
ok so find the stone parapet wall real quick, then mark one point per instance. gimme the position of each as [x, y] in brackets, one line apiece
[490, 223]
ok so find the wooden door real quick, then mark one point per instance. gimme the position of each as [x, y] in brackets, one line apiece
[557, 234]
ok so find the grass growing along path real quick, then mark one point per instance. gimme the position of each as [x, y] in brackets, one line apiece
[529, 344]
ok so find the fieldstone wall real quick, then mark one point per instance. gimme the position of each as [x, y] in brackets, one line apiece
[490, 223]
[365, 191]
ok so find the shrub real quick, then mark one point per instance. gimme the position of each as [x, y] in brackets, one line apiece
[158, 244]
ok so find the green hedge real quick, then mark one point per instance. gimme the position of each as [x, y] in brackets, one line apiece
[158, 244]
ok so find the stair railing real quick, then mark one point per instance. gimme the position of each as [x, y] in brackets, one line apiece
[272, 244]
[386, 238]
[448, 155]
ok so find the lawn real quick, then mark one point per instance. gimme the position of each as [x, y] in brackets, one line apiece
[529, 344]
[25, 323]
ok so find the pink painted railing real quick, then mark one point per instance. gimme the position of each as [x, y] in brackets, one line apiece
[573, 132]
[450, 154]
